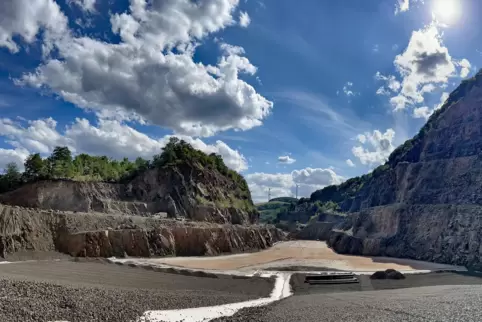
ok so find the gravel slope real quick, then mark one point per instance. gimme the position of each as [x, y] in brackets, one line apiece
[434, 303]
[85, 291]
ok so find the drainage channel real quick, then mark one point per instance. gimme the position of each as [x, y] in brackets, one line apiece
[280, 291]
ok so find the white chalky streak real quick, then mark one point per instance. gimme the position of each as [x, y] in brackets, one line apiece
[280, 291]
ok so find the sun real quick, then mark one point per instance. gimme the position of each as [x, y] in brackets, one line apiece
[447, 11]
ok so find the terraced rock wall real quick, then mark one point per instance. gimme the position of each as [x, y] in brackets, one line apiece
[101, 235]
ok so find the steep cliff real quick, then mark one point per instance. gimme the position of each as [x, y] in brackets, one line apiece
[103, 235]
[425, 202]
[194, 186]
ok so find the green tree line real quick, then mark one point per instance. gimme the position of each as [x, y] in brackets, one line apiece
[61, 164]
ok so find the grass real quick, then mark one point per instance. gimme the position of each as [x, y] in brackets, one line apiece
[229, 202]
[269, 210]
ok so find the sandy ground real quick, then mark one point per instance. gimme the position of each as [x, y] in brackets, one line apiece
[297, 253]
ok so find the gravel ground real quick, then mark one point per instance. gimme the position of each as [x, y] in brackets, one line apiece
[366, 284]
[83, 291]
[299, 268]
[422, 304]
[35, 255]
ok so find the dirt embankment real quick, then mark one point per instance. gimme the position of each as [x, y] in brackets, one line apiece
[94, 235]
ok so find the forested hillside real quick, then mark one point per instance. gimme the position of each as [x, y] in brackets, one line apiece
[61, 164]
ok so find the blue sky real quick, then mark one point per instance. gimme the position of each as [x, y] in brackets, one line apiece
[308, 93]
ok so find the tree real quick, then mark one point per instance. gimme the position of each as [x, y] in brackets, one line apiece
[168, 154]
[60, 163]
[11, 171]
[141, 164]
[11, 178]
[35, 167]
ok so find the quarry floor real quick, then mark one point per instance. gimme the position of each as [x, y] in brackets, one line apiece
[303, 254]
[138, 290]
[93, 291]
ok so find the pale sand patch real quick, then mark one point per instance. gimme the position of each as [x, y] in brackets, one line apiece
[297, 253]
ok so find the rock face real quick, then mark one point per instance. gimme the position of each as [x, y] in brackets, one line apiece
[319, 229]
[188, 191]
[314, 231]
[93, 235]
[426, 201]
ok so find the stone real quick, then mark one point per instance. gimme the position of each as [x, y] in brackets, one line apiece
[387, 274]
[425, 202]
[92, 235]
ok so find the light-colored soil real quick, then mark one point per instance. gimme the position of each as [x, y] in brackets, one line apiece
[297, 253]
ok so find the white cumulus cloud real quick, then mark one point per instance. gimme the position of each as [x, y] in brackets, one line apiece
[425, 111]
[284, 184]
[350, 163]
[391, 84]
[151, 75]
[402, 6]
[464, 67]
[424, 66]
[84, 5]
[26, 18]
[110, 137]
[286, 159]
[244, 19]
[375, 147]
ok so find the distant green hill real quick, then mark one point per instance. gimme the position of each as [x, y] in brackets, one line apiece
[269, 210]
[285, 199]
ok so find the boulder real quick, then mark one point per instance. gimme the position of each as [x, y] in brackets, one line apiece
[387, 274]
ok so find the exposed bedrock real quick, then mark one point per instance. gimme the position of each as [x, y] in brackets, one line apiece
[82, 234]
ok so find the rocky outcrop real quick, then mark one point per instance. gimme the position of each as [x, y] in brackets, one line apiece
[441, 233]
[175, 241]
[93, 235]
[188, 191]
[426, 201]
[314, 231]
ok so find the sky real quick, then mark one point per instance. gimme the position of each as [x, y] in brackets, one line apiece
[306, 93]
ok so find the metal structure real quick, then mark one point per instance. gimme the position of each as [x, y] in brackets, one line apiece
[331, 278]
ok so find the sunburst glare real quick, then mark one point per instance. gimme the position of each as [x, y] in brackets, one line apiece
[447, 11]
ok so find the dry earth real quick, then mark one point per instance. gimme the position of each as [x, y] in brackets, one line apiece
[297, 253]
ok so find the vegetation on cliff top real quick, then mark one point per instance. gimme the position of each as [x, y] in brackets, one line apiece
[83, 167]
[270, 210]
